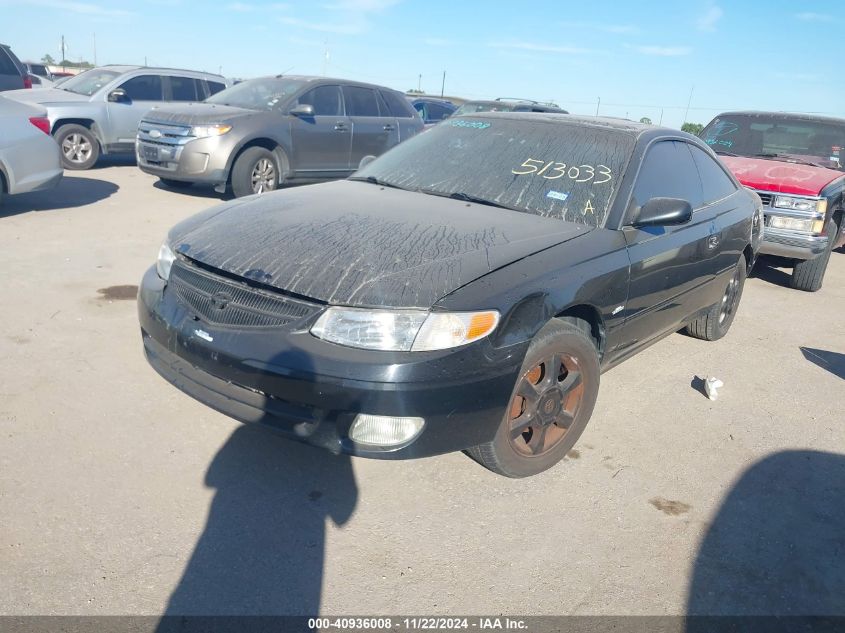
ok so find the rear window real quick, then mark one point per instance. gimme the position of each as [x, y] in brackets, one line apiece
[7, 66]
[360, 101]
[184, 89]
[214, 87]
[555, 170]
[399, 107]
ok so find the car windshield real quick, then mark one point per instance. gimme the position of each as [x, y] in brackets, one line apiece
[90, 81]
[483, 106]
[779, 137]
[561, 170]
[258, 94]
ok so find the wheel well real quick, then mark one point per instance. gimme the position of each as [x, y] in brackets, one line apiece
[592, 318]
[4, 186]
[91, 125]
[267, 144]
[749, 258]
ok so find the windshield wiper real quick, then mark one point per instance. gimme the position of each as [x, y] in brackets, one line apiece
[467, 197]
[722, 152]
[375, 181]
[789, 158]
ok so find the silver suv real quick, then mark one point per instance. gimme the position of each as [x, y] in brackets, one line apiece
[98, 111]
[262, 133]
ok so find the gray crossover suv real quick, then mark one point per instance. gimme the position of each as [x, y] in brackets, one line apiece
[262, 133]
[97, 112]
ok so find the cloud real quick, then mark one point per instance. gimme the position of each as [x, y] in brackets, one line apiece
[664, 51]
[83, 8]
[542, 48]
[616, 29]
[343, 28]
[707, 20]
[815, 17]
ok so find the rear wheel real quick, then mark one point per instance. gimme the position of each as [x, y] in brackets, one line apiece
[256, 171]
[715, 323]
[808, 275]
[550, 405]
[79, 146]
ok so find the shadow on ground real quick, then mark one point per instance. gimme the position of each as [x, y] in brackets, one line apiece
[768, 268]
[777, 544]
[833, 362]
[194, 190]
[72, 192]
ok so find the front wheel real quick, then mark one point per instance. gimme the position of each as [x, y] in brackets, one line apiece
[255, 171]
[79, 146]
[550, 405]
[808, 275]
[715, 323]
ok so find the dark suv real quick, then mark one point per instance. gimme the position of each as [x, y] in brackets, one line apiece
[12, 73]
[270, 131]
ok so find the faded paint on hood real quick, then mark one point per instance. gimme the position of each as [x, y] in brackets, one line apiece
[358, 244]
[197, 114]
[46, 96]
[780, 176]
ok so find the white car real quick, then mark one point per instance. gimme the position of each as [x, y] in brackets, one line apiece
[29, 157]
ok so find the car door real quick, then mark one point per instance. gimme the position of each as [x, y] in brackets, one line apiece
[374, 129]
[184, 89]
[143, 93]
[320, 144]
[671, 266]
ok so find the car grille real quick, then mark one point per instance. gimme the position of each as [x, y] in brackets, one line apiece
[165, 134]
[766, 197]
[222, 301]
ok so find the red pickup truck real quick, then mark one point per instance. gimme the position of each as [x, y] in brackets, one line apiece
[796, 164]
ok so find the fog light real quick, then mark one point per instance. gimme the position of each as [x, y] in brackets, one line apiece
[384, 430]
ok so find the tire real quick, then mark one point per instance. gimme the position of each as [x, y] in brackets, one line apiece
[256, 170]
[175, 184]
[808, 275]
[715, 323]
[78, 146]
[563, 402]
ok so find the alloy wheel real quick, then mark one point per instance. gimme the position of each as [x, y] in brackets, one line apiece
[729, 299]
[263, 176]
[76, 148]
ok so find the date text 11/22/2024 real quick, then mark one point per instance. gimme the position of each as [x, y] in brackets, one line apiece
[417, 624]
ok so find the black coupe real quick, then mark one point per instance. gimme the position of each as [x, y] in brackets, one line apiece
[464, 291]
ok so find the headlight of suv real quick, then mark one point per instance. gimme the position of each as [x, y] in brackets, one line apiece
[403, 330]
[796, 224]
[165, 261]
[800, 204]
[204, 131]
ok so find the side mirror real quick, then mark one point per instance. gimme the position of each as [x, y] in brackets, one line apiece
[118, 95]
[303, 110]
[366, 161]
[664, 212]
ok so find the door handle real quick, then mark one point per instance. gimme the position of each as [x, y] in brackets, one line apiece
[388, 128]
[340, 126]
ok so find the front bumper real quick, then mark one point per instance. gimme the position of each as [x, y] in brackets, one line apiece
[311, 390]
[200, 160]
[792, 244]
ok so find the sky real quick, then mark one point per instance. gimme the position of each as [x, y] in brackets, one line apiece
[661, 60]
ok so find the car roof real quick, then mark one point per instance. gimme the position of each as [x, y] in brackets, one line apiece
[622, 125]
[328, 80]
[431, 99]
[795, 116]
[125, 68]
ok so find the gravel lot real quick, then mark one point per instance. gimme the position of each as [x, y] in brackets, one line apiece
[121, 495]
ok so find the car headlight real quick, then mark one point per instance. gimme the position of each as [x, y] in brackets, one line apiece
[800, 204]
[403, 330]
[204, 131]
[165, 261]
[796, 224]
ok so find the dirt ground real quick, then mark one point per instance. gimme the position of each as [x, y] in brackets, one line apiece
[121, 495]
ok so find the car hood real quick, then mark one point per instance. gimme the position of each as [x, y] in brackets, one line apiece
[197, 114]
[780, 176]
[358, 244]
[45, 96]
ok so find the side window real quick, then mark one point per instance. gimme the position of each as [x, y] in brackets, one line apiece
[143, 88]
[184, 89]
[423, 108]
[360, 101]
[7, 66]
[715, 183]
[325, 99]
[437, 112]
[214, 87]
[668, 171]
[399, 107]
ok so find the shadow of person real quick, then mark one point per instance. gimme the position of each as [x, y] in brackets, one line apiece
[777, 544]
[262, 549]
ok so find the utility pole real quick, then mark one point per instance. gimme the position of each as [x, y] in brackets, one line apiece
[686, 114]
[443, 85]
[95, 49]
[598, 105]
[661, 117]
[63, 53]
[419, 84]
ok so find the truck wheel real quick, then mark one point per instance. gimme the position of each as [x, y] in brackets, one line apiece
[716, 322]
[79, 146]
[256, 171]
[550, 405]
[808, 275]
[175, 184]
